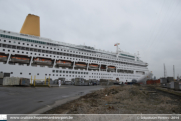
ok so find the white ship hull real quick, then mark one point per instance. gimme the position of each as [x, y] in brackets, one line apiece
[72, 53]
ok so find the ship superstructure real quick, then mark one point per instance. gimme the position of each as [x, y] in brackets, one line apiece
[24, 55]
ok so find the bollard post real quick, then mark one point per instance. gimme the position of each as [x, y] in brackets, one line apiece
[34, 81]
[45, 80]
[49, 81]
[31, 80]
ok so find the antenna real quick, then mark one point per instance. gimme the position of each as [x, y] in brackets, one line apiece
[165, 71]
[173, 72]
[138, 55]
[117, 51]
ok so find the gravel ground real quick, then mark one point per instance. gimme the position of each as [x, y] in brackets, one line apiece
[123, 100]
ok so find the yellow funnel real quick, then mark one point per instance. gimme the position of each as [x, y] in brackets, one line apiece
[31, 25]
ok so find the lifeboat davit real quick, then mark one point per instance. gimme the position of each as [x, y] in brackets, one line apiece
[93, 66]
[19, 59]
[3, 58]
[63, 63]
[103, 67]
[80, 65]
[42, 61]
[111, 68]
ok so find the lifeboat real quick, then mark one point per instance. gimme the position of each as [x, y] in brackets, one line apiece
[63, 63]
[93, 66]
[80, 65]
[19, 59]
[3, 58]
[42, 61]
[111, 68]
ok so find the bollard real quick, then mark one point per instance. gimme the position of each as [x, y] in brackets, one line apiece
[45, 80]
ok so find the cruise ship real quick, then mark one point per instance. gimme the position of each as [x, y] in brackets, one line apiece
[26, 54]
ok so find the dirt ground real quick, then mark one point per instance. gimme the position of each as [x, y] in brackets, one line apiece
[127, 99]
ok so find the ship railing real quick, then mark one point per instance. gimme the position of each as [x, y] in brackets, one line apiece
[42, 61]
[63, 63]
[53, 41]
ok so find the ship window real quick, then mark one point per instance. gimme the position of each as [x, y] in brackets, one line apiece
[60, 71]
[9, 41]
[29, 73]
[66, 71]
[13, 51]
[53, 70]
[37, 73]
[73, 72]
[69, 71]
[17, 51]
[53, 74]
[8, 50]
[4, 40]
[21, 73]
[45, 74]
[78, 72]
[63, 71]
[11, 72]
[81, 72]
[57, 71]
